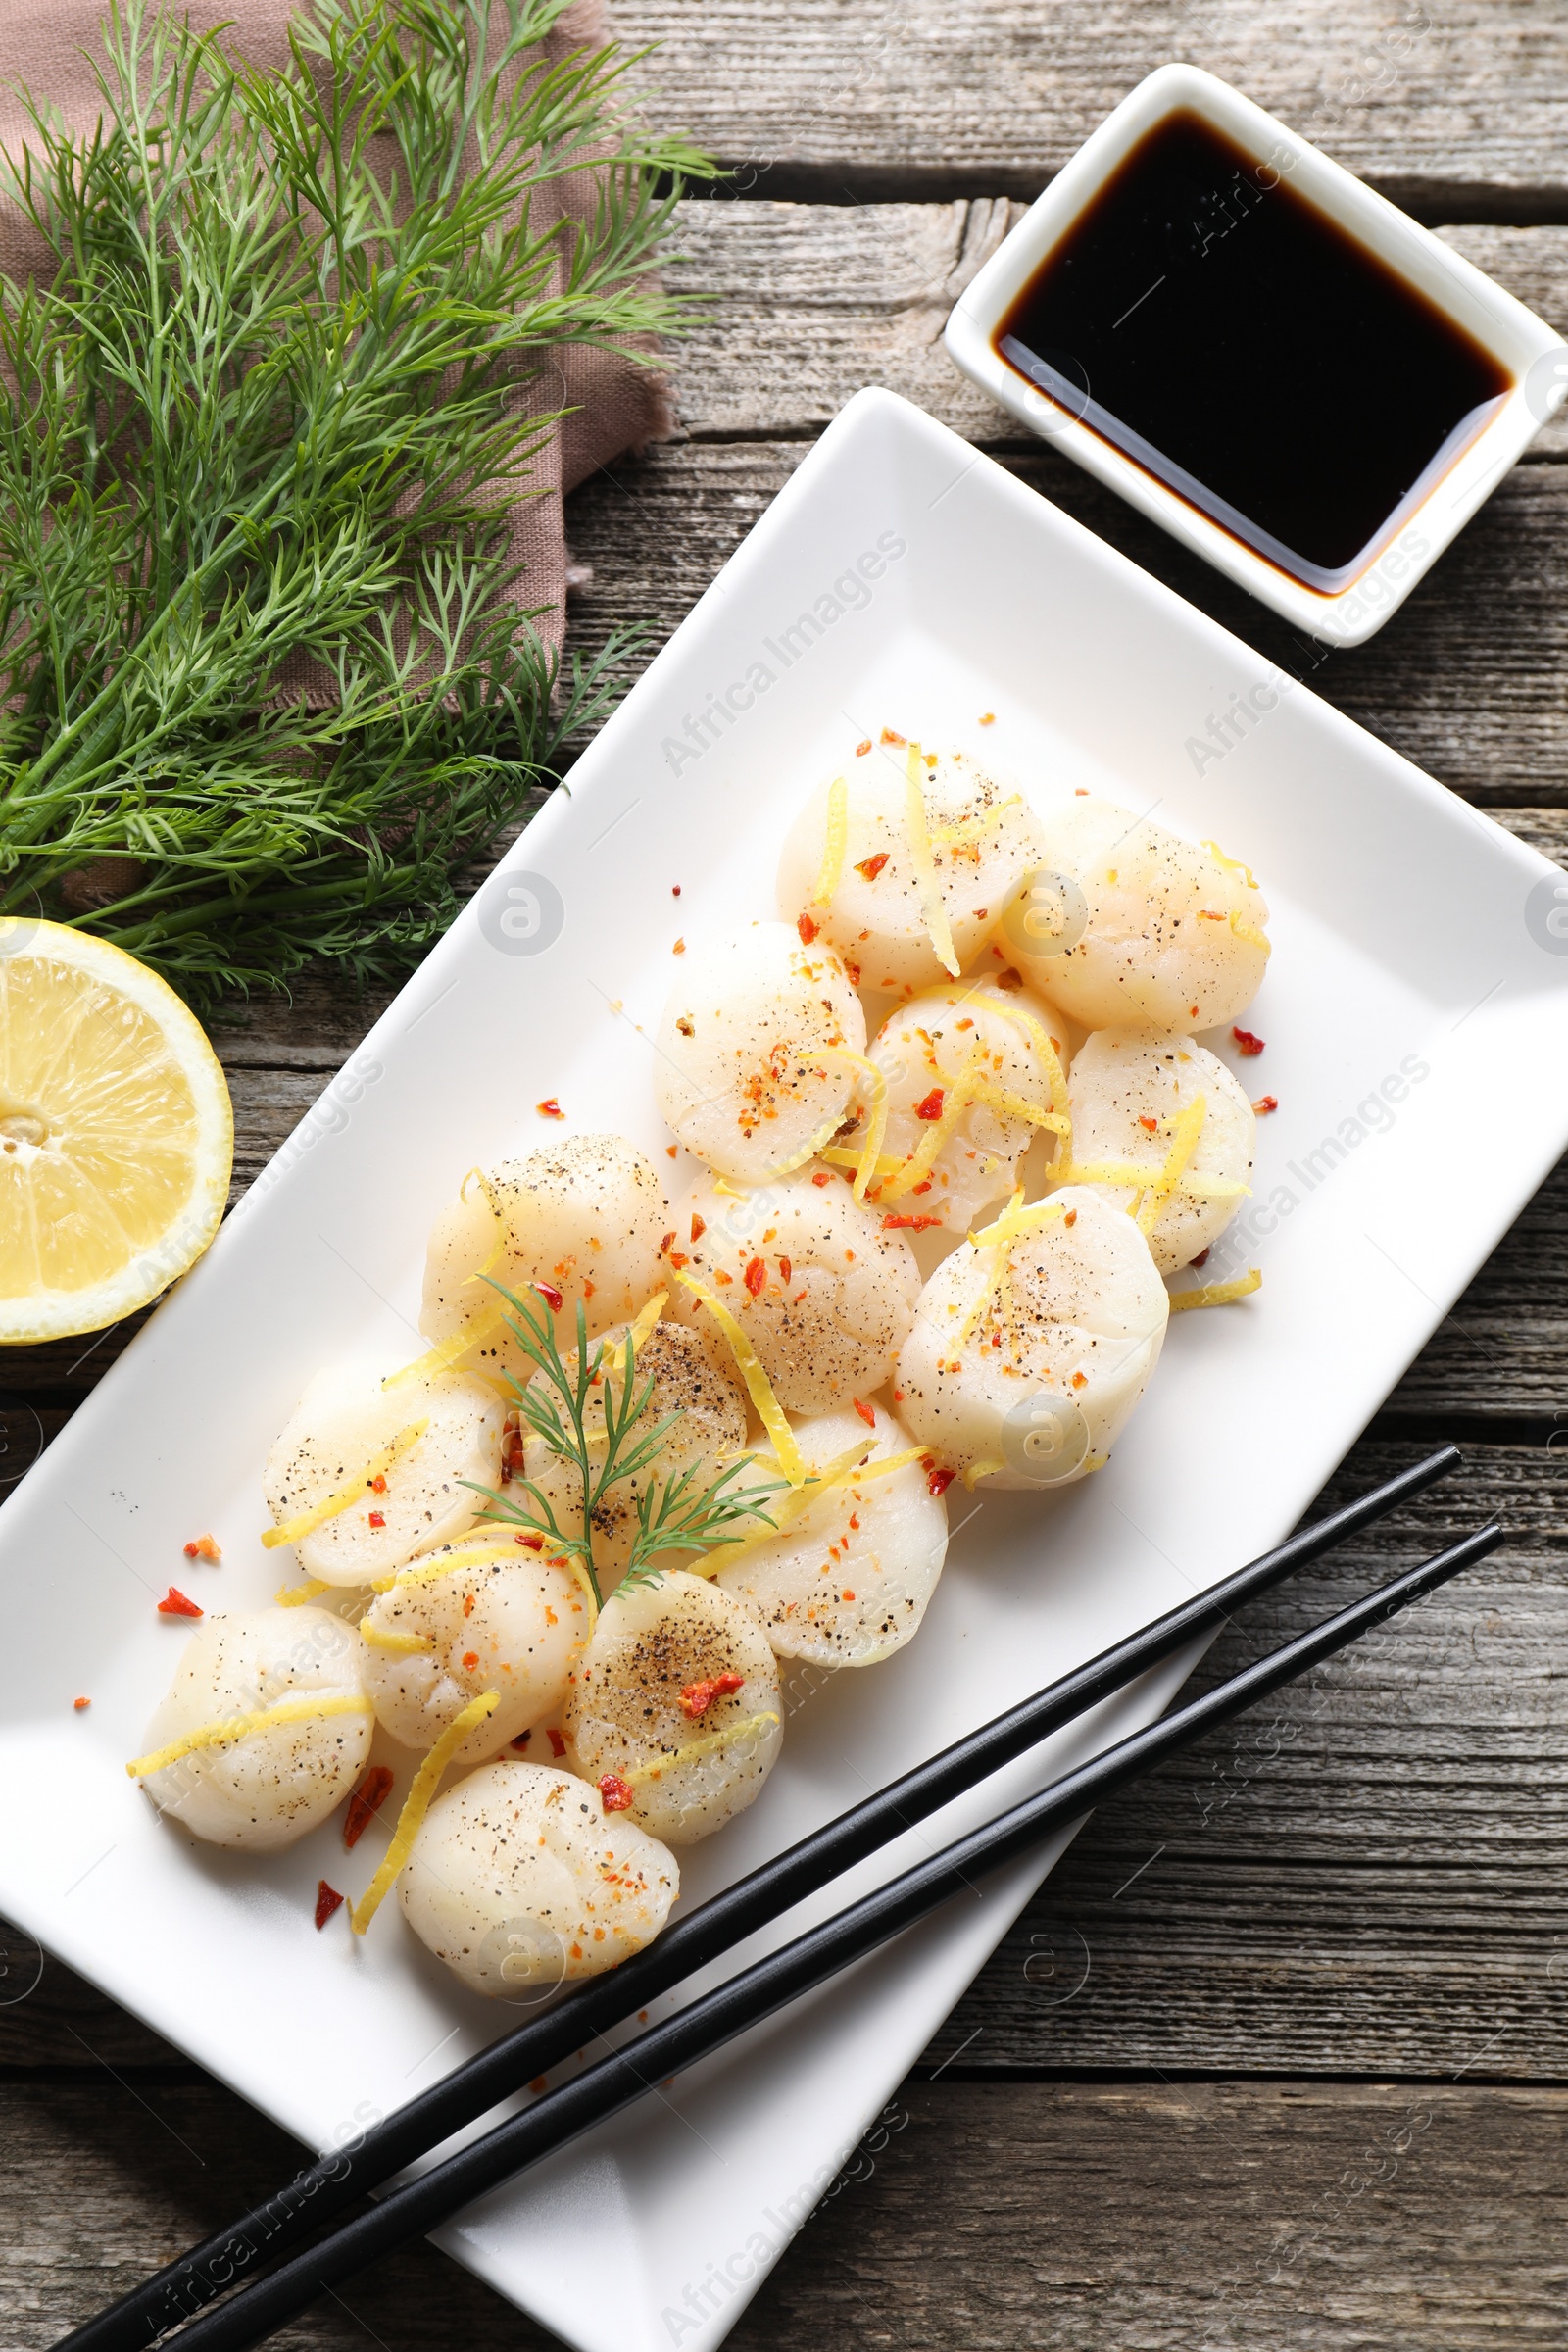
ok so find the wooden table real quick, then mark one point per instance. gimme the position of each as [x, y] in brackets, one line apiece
[1280, 2056]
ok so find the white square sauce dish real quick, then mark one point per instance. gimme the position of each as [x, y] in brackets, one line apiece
[1269, 360]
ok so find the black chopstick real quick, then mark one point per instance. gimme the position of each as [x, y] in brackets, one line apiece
[694, 2033]
[321, 2191]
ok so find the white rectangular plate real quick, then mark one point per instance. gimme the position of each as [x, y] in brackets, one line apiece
[1416, 1015]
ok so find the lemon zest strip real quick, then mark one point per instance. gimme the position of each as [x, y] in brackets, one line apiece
[841, 1156]
[1129, 1172]
[932, 909]
[1252, 934]
[1014, 1106]
[637, 1333]
[758, 1385]
[1235, 866]
[445, 1354]
[979, 1470]
[491, 1550]
[870, 1156]
[848, 1469]
[831, 870]
[290, 1597]
[240, 1727]
[1185, 1129]
[696, 1749]
[1015, 1222]
[1044, 1045]
[305, 1523]
[1217, 1294]
[923, 1158]
[386, 1637]
[418, 1803]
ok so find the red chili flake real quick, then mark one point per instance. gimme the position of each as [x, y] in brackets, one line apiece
[931, 1107]
[1266, 1102]
[79, 1704]
[679, 1258]
[784, 1269]
[846, 1595]
[366, 1802]
[870, 867]
[557, 1744]
[807, 928]
[667, 1242]
[897, 1396]
[912, 1224]
[892, 735]
[679, 949]
[721, 1275]
[327, 1900]
[699, 1227]
[468, 1604]
[550, 1108]
[921, 1188]
[939, 1481]
[470, 1659]
[1201, 1259]
[1071, 1218]
[174, 1604]
[1247, 1041]
[378, 1484]
[822, 1176]
[862, 748]
[534, 1543]
[865, 1413]
[378, 1518]
[755, 1276]
[1193, 1010]
[204, 1548]
[697, 1698]
[1080, 1380]
[675, 890]
[1152, 1124]
[616, 1795]
[552, 1299]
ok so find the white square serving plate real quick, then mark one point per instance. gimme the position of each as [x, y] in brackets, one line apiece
[1418, 996]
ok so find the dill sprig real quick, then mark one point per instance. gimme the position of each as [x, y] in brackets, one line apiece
[260, 629]
[588, 1417]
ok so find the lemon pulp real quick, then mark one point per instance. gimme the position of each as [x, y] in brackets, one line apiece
[116, 1133]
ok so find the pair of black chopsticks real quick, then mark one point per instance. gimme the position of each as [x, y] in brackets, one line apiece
[323, 2189]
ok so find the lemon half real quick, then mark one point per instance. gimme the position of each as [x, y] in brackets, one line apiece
[117, 1135]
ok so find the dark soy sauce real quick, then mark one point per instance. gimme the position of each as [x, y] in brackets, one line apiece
[1232, 339]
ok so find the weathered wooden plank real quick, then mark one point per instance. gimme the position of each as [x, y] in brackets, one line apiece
[1365, 1874]
[1437, 104]
[1469, 678]
[1366, 1869]
[808, 303]
[1140, 2215]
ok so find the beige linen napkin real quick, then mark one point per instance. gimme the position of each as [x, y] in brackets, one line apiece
[45, 46]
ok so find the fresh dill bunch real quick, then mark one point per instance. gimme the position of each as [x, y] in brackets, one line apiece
[588, 1418]
[260, 629]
